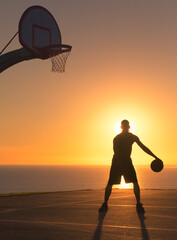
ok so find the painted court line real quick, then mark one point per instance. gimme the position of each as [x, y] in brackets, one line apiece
[81, 203]
[58, 204]
[86, 225]
[128, 205]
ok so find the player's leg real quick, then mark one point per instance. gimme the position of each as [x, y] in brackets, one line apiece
[139, 206]
[136, 189]
[130, 176]
[114, 178]
[108, 190]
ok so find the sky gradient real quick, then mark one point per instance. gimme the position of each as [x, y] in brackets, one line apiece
[122, 66]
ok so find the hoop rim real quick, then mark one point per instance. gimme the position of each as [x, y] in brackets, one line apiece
[45, 52]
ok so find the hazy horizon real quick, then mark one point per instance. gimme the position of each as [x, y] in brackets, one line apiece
[82, 165]
[34, 178]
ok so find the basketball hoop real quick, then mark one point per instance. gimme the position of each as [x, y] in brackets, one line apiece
[40, 37]
[58, 53]
[39, 34]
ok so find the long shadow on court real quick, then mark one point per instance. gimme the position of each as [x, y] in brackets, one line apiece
[98, 231]
[144, 232]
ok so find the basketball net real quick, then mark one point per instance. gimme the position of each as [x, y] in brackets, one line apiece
[59, 61]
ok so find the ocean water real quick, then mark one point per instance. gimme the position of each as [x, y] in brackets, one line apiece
[63, 178]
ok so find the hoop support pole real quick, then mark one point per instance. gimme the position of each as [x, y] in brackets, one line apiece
[9, 42]
[16, 56]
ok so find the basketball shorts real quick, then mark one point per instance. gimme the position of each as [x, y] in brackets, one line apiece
[126, 170]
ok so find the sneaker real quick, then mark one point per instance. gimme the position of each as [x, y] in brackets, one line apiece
[103, 208]
[140, 208]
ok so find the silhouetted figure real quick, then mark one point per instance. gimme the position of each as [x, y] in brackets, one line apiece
[122, 164]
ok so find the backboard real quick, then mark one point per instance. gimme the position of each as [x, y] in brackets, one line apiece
[38, 29]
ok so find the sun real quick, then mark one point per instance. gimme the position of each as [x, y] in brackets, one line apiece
[117, 127]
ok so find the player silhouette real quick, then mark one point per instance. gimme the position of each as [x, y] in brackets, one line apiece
[122, 164]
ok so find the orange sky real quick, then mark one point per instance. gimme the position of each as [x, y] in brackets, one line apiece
[123, 65]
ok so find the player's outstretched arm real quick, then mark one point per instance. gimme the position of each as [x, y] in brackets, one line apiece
[145, 149]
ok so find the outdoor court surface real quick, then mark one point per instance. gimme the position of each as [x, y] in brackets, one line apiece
[74, 215]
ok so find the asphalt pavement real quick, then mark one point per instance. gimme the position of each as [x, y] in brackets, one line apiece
[74, 215]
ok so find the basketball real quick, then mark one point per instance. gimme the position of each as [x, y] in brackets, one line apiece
[157, 165]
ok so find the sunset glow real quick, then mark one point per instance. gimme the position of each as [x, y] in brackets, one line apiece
[72, 118]
[123, 185]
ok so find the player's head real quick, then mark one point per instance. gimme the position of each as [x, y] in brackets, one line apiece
[125, 125]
